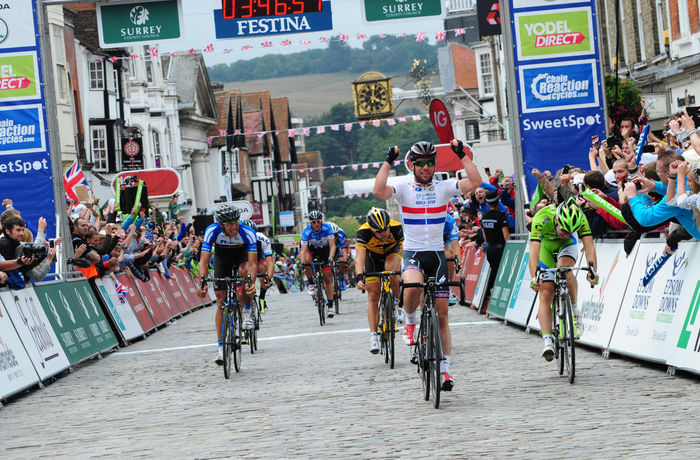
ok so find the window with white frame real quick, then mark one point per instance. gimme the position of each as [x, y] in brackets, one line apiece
[472, 130]
[683, 18]
[149, 70]
[132, 68]
[61, 84]
[115, 80]
[97, 78]
[486, 74]
[98, 147]
[659, 45]
[623, 36]
[639, 24]
[157, 155]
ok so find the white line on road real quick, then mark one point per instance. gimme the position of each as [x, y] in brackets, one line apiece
[283, 337]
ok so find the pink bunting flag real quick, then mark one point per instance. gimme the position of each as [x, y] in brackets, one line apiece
[397, 162]
[320, 129]
[237, 132]
[335, 127]
[354, 167]
[277, 132]
[248, 132]
[311, 169]
[348, 127]
[391, 121]
[362, 124]
[133, 56]
[192, 51]
[324, 39]
[420, 37]
[375, 164]
[460, 31]
[376, 123]
[290, 133]
[381, 36]
[365, 165]
[458, 113]
[415, 117]
[361, 36]
[307, 131]
[305, 42]
[366, 195]
[400, 35]
[113, 59]
[342, 167]
[98, 59]
[301, 170]
[227, 50]
[343, 37]
[261, 134]
[402, 119]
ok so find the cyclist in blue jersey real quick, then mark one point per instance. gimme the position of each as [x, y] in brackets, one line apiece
[341, 244]
[236, 246]
[266, 266]
[318, 242]
[451, 238]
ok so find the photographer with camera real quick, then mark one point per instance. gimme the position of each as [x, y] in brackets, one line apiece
[18, 258]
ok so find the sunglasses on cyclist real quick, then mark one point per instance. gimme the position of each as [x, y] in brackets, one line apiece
[229, 223]
[422, 163]
[316, 221]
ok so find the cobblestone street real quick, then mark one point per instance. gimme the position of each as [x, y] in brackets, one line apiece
[317, 392]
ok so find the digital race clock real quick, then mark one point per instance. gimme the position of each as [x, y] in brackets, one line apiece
[240, 9]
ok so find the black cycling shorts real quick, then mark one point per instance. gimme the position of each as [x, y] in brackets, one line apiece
[225, 261]
[432, 264]
[375, 262]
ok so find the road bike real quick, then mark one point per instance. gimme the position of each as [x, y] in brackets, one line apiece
[427, 352]
[231, 323]
[318, 296]
[563, 327]
[336, 286]
[458, 267]
[387, 319]
[251, 335]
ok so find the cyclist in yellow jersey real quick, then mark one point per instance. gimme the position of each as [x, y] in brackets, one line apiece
[553, 229]
[378, 248]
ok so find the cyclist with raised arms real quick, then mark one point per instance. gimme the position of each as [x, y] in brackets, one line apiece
[451, 238]
[341, 243]
[236, 246]
[318, 242]
[378, 248]
[265, 264]
[552, 233]
[423, 209]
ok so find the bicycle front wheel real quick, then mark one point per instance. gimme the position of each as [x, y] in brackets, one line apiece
[390, 329]
[435, 358]
[320, 304]
[568, 338]
[423, 356]
[227, 341]
[556, 334]
[237, 338]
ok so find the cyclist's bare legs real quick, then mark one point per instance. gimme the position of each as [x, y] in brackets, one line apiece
[393, 264]
[243, 297]
[220, 297]
[307, 258]
[570, 278]
[412, 296]
[373, 292]
[328, 284]
[449, 255]
[544, 312]
[443, 307]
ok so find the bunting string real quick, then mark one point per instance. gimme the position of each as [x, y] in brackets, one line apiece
[154, 51]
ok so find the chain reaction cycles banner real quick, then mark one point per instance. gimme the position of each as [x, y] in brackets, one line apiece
[558, 81]
[25, 161]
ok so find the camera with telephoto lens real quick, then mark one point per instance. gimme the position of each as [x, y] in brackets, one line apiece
[31, 250]
[638, 185]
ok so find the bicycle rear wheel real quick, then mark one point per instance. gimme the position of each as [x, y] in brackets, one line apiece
[435, 357]
[568, 338]
[237, 338]
[227, 340]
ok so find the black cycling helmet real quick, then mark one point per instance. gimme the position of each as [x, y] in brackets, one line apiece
[227, 214]
[250, 224]
[315, 215]
[378, 219]
[422, 150]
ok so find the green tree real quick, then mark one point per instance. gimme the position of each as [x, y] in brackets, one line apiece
[628, 103]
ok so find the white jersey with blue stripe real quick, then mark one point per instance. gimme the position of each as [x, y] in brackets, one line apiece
[264, 246]
[423, 211]
[317, 240]
[214, 235]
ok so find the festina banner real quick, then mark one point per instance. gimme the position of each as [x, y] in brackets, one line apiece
[556, 63]
[25, 163]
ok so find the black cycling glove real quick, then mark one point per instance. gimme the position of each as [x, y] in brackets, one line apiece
[459, 149]
[391, 155]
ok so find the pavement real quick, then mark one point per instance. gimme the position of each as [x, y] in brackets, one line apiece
[317, 392]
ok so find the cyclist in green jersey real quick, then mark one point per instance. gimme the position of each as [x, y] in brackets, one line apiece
[553, 230]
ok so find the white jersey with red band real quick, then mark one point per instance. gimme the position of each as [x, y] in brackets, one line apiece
[423, 211]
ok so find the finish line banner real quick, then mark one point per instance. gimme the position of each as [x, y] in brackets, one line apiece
[558, 79]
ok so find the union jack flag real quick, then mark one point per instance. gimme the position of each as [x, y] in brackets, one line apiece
[113, 59]
[98, 59]
[335, 127]
[237, 132]
[460, 31]
[440, 36]
[286, 42]
[266, 44]
[324, 39]
[223, 133]
[400, 35]
[361, 36]
[72, 178]
[152, 51]
[260, 134]
[227, 50]
[305, 42]
[307, 131]
[420, 36]
[133, 56]
[290, 133]
[209, 48]
[381, 36]
[209, 141]
[191, 51]
[343, 37]
[172, 53]
[122, 291]
[246, 47]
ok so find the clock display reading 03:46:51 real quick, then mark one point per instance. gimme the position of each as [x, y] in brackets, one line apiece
[239, 9]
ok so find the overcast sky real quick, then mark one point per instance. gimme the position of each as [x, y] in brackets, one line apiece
[347, 18]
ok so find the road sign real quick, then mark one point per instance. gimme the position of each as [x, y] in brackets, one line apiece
[386, 10]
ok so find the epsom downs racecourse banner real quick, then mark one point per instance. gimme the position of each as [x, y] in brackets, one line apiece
[25, 164]
[558, 81]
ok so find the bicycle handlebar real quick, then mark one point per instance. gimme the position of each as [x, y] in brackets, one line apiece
[588, 269]
[425, 284]
[380, 274]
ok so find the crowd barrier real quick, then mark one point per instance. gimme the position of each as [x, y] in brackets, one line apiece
[48, 327]
[658, 323]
